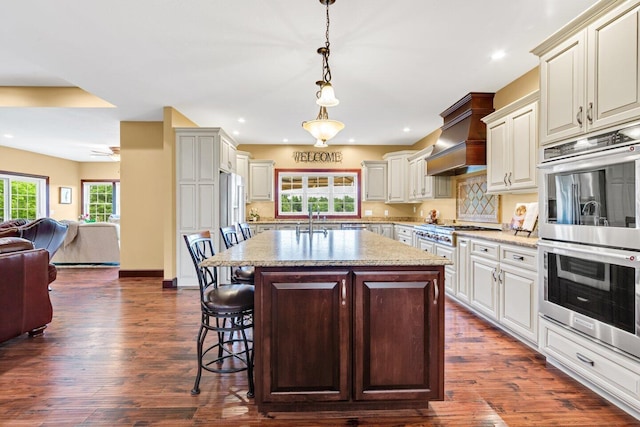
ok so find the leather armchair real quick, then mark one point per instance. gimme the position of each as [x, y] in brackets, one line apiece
[24, 296]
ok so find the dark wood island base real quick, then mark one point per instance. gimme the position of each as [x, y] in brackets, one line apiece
[358, 338]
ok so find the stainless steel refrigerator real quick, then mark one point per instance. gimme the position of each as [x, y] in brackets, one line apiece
[232, 199]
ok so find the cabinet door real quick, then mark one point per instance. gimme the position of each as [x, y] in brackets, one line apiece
[522, 155]
[375, 181]
[261, 176]
[414, 180]
[518, 301]
[562, 96]
[462, 290]
[449, 271]
[387, 230]
[399, 342]
[613, 69]
[484, 293]
[305, 336]
[227, 155]
[498, 165]
[398, 175]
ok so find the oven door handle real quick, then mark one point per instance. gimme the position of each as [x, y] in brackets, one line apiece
[631, 259]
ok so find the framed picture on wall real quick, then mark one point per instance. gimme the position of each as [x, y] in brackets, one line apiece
[65, 195]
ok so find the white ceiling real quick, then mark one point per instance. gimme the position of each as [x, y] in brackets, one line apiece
[395, 64]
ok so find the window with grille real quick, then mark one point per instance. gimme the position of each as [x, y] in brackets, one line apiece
[22, 196]
[100, 199]
[331, 193]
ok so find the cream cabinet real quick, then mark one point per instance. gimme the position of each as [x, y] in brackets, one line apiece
[449, 253]
[197, 192]
[398, 176]
[423, 186]
[227, 155]
[614, 374]
[503, 286]
[261, 180]
[404, 234]
[590, 72]
[242, 169]
[462, 269]
[512, 146]
[374, 180]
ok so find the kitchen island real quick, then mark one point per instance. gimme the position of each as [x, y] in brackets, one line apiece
[343, 320]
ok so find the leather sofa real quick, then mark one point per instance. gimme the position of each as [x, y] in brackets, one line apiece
[24, 296]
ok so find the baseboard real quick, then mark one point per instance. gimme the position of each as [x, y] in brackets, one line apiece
[170, 283]
[141, 273]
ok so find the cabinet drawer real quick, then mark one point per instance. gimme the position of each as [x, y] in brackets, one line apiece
[519, 257]
[404, 232]
[613, 372]
[484, 249]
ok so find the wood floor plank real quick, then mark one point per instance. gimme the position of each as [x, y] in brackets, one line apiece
[121, 351]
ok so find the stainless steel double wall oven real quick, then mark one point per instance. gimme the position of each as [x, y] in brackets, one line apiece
[590, 241]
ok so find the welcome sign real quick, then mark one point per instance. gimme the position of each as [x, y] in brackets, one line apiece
[317, 156]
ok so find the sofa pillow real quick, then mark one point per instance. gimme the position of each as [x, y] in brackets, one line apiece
[14, 244]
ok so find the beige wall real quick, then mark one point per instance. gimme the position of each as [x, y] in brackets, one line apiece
[61, 173]
[142, 210]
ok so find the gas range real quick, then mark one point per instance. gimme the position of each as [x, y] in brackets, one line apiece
[442, 233]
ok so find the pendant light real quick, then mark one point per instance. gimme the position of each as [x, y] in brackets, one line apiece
[322, 128]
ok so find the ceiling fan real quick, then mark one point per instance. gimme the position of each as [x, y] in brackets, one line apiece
[113, 153]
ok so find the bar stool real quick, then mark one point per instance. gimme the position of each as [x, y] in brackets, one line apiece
[224, 309]
[245, 229]
[244, 274]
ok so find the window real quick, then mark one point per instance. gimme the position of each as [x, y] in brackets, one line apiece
[22, 196]
[332, 193]
[100, 199]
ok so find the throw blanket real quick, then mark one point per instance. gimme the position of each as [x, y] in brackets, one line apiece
[72, 232]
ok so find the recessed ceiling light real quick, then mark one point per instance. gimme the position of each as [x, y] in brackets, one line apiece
[285, 140]
[406, 129]
[241, 120]
[8, 135]
[498, 54]
[352, 140]
[236, 133]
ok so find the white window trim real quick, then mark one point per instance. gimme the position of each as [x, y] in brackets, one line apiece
[304, 192]
[41, 193]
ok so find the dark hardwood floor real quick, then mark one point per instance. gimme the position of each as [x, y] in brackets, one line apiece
[122, 352]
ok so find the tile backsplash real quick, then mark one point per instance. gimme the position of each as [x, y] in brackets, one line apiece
[473, 204]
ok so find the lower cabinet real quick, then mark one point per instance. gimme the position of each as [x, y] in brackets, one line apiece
[349, 338]
[503, 286]
[611, 371]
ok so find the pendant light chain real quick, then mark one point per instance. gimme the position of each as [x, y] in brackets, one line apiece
[325, 56]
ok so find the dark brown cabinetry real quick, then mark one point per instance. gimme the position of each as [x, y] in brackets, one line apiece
[358, 337]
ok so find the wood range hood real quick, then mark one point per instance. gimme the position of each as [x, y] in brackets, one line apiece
[461, 148]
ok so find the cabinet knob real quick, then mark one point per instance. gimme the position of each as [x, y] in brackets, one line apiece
[518, 257]
[504, 179]
[590, 113]
[509, 179]
[343, 292]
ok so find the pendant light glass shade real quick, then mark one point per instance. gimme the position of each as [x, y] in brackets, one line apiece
[320, 144]
[327, 96]
[323, 129]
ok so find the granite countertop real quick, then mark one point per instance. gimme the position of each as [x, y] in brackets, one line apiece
[502, 237]
[286, 248]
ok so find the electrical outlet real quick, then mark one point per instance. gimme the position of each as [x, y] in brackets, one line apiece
[421, 213]
[414, 209]
[386, 212]
[368, 212]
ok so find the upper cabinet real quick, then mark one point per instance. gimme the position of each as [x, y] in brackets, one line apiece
[590, 72]
[261, 180]
[374, 175]
[423, 186]
[512, 141]
[227, 154]
[242, 169]
[398, 176]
